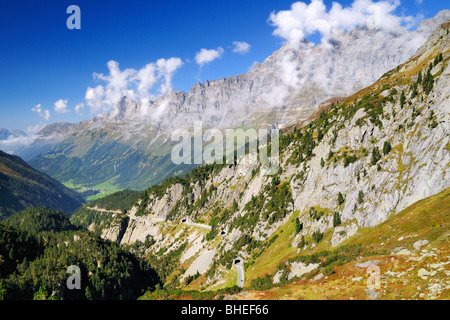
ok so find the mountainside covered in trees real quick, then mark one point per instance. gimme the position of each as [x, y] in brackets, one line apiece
[38, 245]
[21, 187]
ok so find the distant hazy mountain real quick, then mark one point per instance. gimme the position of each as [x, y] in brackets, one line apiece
[5, 133]
[21, 187]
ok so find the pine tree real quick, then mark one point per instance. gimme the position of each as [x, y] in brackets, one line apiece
[41, 294]
[402, 99]
[235, 206]
[87, 293]
[302, 242]
[11, 254]
[414, 90]
[319, 135]
[336, 219]
[419, 78]
[360, 197]
[25, 263]
[317, 236]
[375, 155]
[298, 226]
[386, 147]
[428, 82]
[436, 60]
[340, 198]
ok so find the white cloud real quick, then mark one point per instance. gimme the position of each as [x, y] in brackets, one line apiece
[15, 143]
[241, 47]
[117, 83]
[94, 99]
[43, 113]
[156, 115]
[253, 65]
[151, 81]
[145, 79]
[35, 128]
[206, 56]
[60, 106]
[79, 108]
[303, 19]
[166, 70]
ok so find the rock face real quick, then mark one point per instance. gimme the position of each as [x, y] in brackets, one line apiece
[382, 149]
[285, 81]
[133, 141]
[162, 206]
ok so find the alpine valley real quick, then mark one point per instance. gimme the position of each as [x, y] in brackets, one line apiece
[363, 184]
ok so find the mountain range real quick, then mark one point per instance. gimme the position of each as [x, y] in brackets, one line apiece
[129, 146]
[5, 133]
[358, 209]
[363, 184]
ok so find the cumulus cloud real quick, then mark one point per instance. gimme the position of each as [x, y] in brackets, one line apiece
[79, 108]
[117, 83]
[303, 19]
[241, 47]
[12, 144]
[157, 114]
[145, 84]
[166, 70]
[208, 55]
[35, 128]
[146, 79]
[94, 99]
[60, 106]
[44, 113]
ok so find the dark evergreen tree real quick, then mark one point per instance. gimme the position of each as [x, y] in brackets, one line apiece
[402, 99]
[340, 199]
[419, 78]
[376, 156]
[386, 147]
[336, 219]
[360, 197]
[302, 242]
[298, 226]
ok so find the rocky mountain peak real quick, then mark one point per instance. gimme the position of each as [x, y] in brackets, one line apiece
[291, 78]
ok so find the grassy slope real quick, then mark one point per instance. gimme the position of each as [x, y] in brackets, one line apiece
[428, 219]
[391, 244]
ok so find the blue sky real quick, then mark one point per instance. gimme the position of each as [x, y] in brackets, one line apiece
[43, 61]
